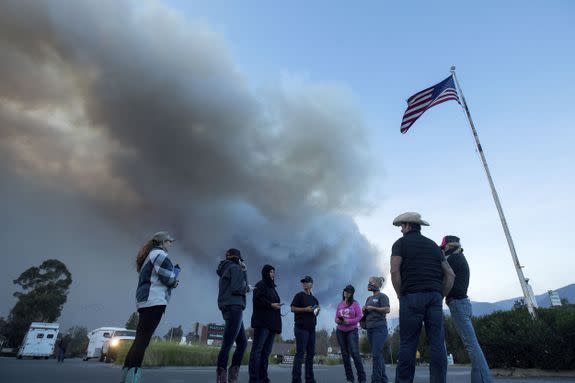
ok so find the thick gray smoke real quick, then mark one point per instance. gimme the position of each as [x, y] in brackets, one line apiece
[118, 119]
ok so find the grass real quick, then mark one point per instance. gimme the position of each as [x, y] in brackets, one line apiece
[162, 353]
[173, 354]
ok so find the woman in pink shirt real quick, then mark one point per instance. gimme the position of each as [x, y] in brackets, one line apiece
[347, 316]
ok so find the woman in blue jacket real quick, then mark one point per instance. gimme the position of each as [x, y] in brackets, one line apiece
[157, 279]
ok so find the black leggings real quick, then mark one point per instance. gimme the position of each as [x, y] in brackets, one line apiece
[147, 323]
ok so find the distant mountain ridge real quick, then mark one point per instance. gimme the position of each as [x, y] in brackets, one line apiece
[485, 308]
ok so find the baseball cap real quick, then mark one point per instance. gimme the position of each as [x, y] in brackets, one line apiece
[448, 239]
[162, 236]
[349, 289]
[307, 279]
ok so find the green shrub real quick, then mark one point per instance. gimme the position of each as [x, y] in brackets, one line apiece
[171, 354]
[333, 361]
[514, 339]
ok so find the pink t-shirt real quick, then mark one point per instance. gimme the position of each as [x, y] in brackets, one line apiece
[352, 315]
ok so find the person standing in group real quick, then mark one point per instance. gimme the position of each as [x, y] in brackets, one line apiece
[158, 276]
[460, 308]
[266, 322]
[375, 310]
[347, 315]
[421, 278]
[305, 308]
[233, 287]
[63, 345]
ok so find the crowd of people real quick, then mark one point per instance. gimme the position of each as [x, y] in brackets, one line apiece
[422, 274]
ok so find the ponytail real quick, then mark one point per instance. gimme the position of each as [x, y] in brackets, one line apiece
[143, 253]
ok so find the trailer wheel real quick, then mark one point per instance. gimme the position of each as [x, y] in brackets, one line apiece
[19, 357]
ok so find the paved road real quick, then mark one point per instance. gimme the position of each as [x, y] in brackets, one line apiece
[77, 371]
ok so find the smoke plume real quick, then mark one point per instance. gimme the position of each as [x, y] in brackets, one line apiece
[120, 118]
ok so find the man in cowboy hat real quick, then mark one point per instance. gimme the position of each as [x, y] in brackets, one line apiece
[421, 278]
[460, 308]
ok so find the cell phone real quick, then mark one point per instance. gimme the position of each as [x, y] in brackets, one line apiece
[281, 304]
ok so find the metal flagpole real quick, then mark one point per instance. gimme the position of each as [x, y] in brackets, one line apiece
[529, 301]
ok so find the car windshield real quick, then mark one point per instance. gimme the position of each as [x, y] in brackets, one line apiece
[125, 333]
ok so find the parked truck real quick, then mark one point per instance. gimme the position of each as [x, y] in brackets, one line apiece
[104, 341]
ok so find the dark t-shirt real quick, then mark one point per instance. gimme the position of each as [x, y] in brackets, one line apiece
[374, 319]
[421, 269]
[461, 269]
[304, 320]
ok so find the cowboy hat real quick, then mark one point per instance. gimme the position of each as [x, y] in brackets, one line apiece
[409, 217]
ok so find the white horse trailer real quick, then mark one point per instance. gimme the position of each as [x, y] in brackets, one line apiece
[40, 340]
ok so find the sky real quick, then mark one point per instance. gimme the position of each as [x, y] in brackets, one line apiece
[275, 128]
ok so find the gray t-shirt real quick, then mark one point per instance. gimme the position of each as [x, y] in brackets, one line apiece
[374, 319]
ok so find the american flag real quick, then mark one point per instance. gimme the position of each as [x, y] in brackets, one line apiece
[427, 98]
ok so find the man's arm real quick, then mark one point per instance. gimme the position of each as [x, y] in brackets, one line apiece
[295, 309]
[448, 277]
[396, 273]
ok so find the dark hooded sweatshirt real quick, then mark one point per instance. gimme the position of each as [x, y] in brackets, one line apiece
[264, 316]
[233, 285]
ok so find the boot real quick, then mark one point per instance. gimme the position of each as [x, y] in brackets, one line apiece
[124, 373]
[221, 375]
[233, 376]
[134, 375]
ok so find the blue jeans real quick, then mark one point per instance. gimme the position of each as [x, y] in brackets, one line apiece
[305, 343]
[376, 337]
[259, 356]
[461, 316]
[349, 345]
[234, 332]
[414, 309]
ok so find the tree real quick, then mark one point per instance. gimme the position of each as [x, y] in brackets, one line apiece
[174, 334]
[519, 305]
[45, 290]
[364, 346]
[3, 332]
[332, 342]
[78, 341]
[132, 322]
[321, 339]
[391, 348]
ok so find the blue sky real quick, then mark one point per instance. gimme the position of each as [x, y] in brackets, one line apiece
[516, 67]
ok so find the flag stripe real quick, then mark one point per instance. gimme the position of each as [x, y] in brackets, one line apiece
[428, 98]
[411, 111]
[420, 97]
[417, 94]
[437, 102]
